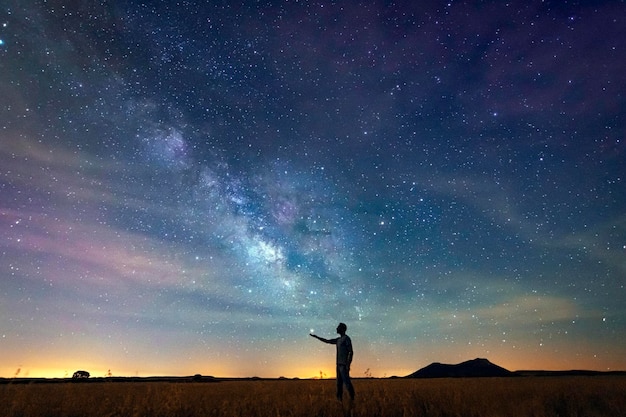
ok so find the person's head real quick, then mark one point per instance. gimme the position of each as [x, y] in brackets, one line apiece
[341, 329]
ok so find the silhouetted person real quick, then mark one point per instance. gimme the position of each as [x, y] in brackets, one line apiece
[344, 359]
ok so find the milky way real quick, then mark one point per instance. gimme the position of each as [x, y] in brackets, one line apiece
[192, 188]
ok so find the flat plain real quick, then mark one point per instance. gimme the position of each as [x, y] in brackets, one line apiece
[564, 396]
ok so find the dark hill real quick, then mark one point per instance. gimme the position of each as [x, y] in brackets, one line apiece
[474, 368]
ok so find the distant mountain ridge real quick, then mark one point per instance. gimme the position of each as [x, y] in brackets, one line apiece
[478, 367]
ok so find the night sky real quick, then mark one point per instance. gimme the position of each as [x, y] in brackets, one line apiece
[194, 187]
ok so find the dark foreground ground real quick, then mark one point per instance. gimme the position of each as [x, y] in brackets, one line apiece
[536, 396]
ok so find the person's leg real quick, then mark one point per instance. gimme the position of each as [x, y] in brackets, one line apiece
[339, 383]
[346, 380]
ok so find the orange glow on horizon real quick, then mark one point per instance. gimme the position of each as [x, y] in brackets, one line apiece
[319, 363]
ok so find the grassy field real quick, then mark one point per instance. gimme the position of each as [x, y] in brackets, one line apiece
[523, 396]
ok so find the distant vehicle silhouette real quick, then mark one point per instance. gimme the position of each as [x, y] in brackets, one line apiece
[81, 375]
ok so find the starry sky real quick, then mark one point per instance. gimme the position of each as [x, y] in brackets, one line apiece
[195, 186]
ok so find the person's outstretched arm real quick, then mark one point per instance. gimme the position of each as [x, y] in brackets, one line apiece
[321, 338]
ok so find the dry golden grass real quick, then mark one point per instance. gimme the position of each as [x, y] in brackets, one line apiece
[525, 396]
